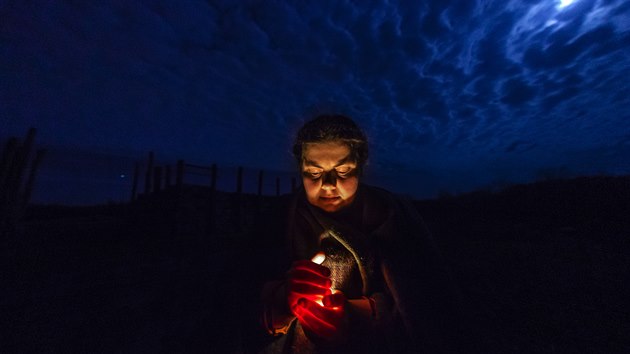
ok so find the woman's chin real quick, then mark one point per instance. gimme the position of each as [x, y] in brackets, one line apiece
[330, 204]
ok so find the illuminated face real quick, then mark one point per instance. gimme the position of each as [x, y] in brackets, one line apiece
[329, 175]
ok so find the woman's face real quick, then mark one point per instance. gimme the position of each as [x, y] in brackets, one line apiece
[329, 176]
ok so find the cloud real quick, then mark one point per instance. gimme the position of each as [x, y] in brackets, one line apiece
[517, 92]
[471, 86]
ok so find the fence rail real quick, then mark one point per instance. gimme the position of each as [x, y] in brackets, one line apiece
[159, 177]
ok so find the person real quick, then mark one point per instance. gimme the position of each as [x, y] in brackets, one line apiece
[365, 274]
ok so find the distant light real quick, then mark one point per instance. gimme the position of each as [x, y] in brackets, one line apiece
[565, 3]
[122, 176]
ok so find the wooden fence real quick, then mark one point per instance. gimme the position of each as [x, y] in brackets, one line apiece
[202, 209]
[160, 177]
[18, 170]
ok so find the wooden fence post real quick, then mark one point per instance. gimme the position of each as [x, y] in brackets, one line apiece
[30, 183]
[239, 180]
[212, 217]
[260, 182]
[8, 158]
[14, 183]
[25, 154]
[167, 177]
[179, 180]
[157, 179]
[134, 186]
[277, 186]
[292, 184]
[213, 177]
[238, 210]
[149, 174]
[14, 162]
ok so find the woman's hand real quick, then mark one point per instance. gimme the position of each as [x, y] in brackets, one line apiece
[326, 321]
[307, 280]
[321, 312]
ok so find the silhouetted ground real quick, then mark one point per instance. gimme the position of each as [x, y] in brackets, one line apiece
[544, 268]
[544, 265]
[87, 286]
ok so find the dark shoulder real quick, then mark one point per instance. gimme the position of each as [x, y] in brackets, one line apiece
[376, 196]
[387, 208]
[386, 201]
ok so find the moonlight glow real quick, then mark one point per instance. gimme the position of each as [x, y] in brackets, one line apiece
[565, 3]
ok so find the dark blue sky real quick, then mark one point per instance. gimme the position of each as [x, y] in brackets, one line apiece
[454, 95]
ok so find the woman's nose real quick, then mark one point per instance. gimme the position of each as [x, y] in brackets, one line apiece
[329, 181]
[328, 187]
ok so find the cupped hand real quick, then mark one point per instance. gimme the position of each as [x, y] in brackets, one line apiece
[307, 280]
[326, 321]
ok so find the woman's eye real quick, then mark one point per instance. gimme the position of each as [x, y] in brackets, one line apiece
[343, 172]
[313, 175]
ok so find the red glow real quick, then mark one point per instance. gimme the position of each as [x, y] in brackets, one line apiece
[318, 307]
[319, 258]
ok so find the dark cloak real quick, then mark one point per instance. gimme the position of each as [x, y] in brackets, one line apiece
[379, 247]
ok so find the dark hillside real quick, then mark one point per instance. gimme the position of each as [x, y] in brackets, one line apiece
[543, 266]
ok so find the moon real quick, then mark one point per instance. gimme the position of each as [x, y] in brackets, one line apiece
[565, 3]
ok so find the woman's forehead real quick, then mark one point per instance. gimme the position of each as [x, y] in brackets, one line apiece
[326, 153]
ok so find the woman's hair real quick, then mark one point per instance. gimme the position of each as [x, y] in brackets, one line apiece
[329, 128]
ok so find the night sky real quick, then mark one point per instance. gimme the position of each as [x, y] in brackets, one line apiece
[454, 95]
